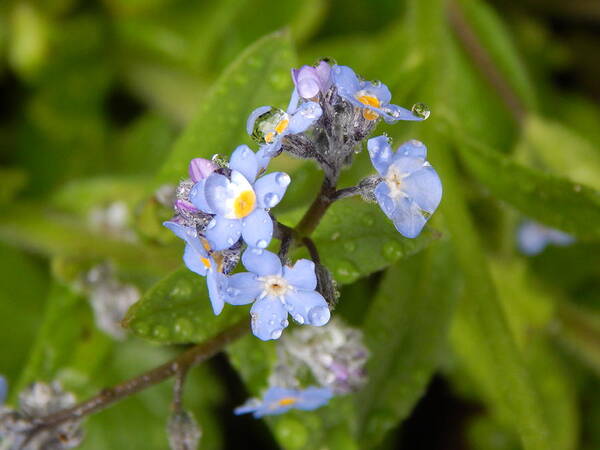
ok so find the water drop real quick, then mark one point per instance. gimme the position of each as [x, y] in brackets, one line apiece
[211, 224]
[271, 322]
[276, 334]
[421, 110]
[184, 327]
[346, 272]
[160, 332]
[368, 220]
[283, 179]
[392, 250]
[298, 318]
[265, 124]
[284, 323]
[219, 160]
[319, 315]
[335, 236]
[271, 199]
[230, 241]
[261, 243]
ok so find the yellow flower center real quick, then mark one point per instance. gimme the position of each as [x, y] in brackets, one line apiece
[279, 128]
[369, 100]
[206, 262]
[286, 401]
[244, 204]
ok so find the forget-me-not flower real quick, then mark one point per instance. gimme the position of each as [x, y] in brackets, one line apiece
[310, 81]
[199, 259]
[278, 291]
[240, 202]
[410, 190]
[270, 125]
[373, 98]
[278, 400]
[533, 237]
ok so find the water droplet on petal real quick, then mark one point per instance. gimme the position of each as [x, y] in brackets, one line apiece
[284, 323]
[211, 224]
[298, 318]
[319, 315]
[276, 334]
[421, 110]
[230, 241]
[283, 179]
[264, 130]
[261, 243]
[271, 199]
[271, 322]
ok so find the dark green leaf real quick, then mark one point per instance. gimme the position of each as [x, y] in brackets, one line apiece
[405, 329]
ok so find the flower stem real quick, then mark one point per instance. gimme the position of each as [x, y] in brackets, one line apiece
[318, 208]
[179, 365]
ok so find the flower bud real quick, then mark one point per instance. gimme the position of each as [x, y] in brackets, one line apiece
[183, 431]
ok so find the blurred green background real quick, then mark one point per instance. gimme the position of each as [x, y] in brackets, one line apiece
[475, 346]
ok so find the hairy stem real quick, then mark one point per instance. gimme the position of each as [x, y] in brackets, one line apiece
[179, 365]
[318, 208]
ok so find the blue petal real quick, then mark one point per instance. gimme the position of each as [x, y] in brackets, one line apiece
[560, 238]
[302, 275]
[345, 81]
[307, 114]
[531, 238]
[379, 90]
[188, 234]
[198, 198]
[244, 161]
[242, 288]
[294, 100]
[413, 148]
[382, 194]
[424, 188]
[313, 397]
[394, 113]
[192, 260]
[408, 218]
[267, 151]
[3, 389]
[261, 262]
[380, 152]
[217, 284]
[245, 409]
[271, 188]
[307, 307]
[217, 191]
[269, 318]
[222, 233]
[257, 228]
[407, 165]
[253, 116]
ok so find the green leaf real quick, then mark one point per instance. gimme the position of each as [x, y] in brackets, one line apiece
[177, 309]
[549, 199]
[554, 146]
[405, 329]
[260, 76]
[356, 239]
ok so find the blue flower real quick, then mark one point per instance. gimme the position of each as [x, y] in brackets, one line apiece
[373, 98]
[3, 389]
[199, 258]
[278, 291]
[270, 125]
[278, 400]
[410, 190]
[240, 202]
[533, 237]
[311, 81]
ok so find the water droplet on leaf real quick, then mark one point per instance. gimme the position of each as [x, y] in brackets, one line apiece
[392, 251]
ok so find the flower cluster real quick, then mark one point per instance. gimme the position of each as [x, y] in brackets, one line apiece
[18, 426]
[333, 356]
[223, 211]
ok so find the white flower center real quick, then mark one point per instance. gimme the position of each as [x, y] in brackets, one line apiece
[274, 286]
[395, 181]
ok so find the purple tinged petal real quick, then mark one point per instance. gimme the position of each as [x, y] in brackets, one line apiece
[323, 71]
[380, 152]
[307, 307]
[198, 197]
[261, 262]
[413, 148]
[424, 188]
[271, 188]
[242, 288]
[222, 233]
[257, 228]
[302, 275]
[307, 81]
[193, 261]
[244, 161]
[217, 284]
[184, 205]
[201, 168]
[255, 115]
[304, 117]
[269, 318]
